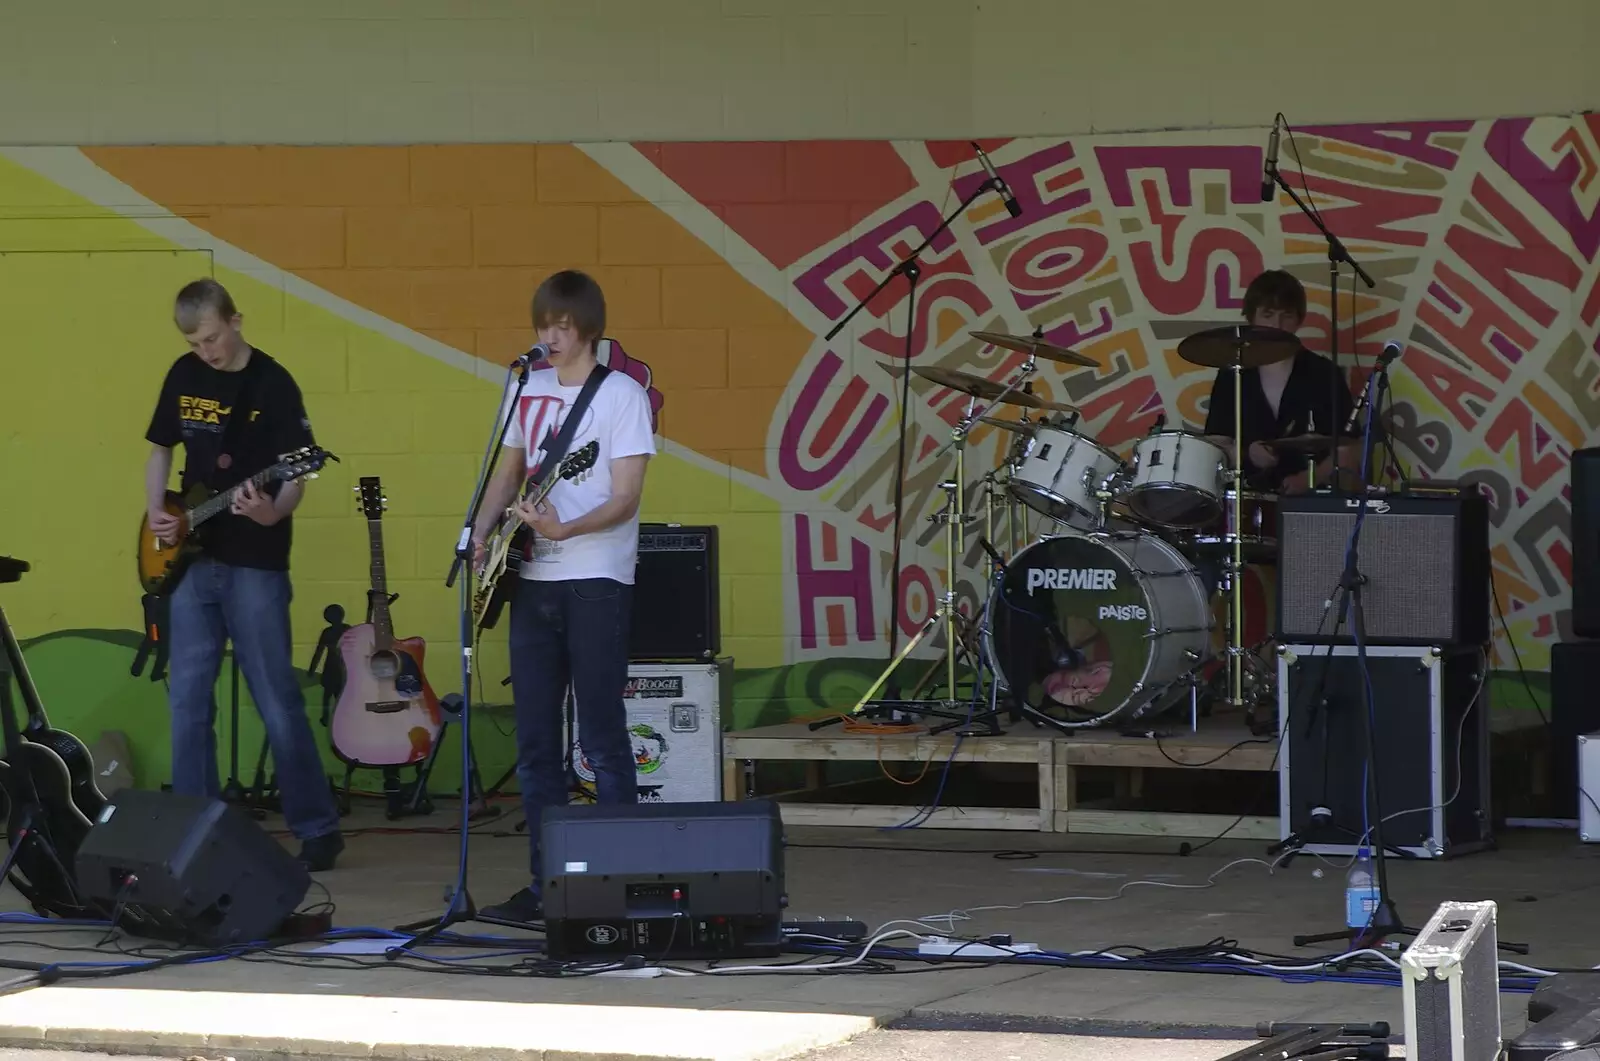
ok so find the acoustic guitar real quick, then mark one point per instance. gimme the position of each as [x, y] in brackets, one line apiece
[59, 767]
[387, 714]
[162, 564]
[508, 545]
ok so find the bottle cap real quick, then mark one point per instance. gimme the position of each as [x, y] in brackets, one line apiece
[1363, 852]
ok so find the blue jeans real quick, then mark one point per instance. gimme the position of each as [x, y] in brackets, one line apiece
[577, 632]
[213, 603]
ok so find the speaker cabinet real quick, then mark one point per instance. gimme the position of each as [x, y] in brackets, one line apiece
[1585, 535]
[1425, 560]
[663, 880]
[676, 599]
[193, 870]
[1574, 712]
[1430, 711]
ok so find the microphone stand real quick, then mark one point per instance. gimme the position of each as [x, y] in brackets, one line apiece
[1385, 920]
[1336, 254]
[461, 907]
[912, 271]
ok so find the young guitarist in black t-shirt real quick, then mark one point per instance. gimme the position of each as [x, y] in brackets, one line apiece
[239, 588]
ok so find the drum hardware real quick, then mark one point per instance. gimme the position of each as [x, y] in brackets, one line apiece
[955, 518]
[911, 269]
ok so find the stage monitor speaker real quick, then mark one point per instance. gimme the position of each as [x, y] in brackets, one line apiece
[1585, 536]
[1431, 714]
[1425, 561]
[677, 602]
[194, 870]
[1563, 1018]
[663, 880]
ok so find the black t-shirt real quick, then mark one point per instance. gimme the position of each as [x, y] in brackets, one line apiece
[1315, 398]
[196, 405]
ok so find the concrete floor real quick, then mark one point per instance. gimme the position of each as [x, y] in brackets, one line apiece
[1547, 884]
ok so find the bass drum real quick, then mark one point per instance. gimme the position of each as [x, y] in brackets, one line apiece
[1102, 626]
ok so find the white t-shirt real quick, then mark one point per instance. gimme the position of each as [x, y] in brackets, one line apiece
[618, 418]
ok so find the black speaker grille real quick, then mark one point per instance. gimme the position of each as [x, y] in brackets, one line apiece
[1586, 542]
[1407, 561]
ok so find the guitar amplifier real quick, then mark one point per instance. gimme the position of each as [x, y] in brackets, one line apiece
[663, 880]
[677, 601]
[675, 723]
[1451, 975]
[1425, 560]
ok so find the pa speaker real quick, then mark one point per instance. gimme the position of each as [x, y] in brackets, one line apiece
[1586, 542]
[663, 880]
[185, 868]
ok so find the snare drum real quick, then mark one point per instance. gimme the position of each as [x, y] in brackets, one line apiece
[1258, 532]
[1061, 472]
[1177, 480]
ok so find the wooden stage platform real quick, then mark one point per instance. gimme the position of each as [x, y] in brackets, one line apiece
[1056, 760]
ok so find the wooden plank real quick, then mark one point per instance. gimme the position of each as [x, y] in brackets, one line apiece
[879, 817]
[1188, 755]
[899, 748]
[1047, 786]
[1159, 823]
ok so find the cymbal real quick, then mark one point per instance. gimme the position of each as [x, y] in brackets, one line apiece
[1253, 346]
[1038, 347]
[978, 387]
[1308, 445]
[1021, 427]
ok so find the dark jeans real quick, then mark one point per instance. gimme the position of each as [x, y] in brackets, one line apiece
[573, 632]
[217, 602]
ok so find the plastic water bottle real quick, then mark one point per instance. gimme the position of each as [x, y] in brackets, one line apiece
[1360, 891]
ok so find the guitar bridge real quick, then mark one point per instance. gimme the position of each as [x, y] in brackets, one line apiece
[386, 707]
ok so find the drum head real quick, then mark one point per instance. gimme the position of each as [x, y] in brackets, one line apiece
[1070, 625]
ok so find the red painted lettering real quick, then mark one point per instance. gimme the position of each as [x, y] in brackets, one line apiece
[1529, 254]
[1240, 260]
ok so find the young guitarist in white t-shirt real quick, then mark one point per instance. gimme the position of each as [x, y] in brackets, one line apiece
[571, 614]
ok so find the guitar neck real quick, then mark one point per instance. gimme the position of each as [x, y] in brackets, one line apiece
[382, 625]
[224, 501]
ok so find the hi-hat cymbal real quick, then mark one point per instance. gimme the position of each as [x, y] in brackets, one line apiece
[1248, 344]
[978, 387]
[1038, 347]
[1307, 445]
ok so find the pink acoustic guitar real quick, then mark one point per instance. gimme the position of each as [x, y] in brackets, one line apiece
[387, 714]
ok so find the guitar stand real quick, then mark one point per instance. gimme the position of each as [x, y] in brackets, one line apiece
[406, 800]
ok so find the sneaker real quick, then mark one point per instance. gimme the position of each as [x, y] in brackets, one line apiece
[320, 852]
[521, 909]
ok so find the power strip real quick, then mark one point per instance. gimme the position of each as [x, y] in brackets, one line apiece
[940, 946]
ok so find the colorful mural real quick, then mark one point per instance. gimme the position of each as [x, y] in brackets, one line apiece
[395, 283]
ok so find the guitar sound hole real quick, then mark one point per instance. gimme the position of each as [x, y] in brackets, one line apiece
[385, 665]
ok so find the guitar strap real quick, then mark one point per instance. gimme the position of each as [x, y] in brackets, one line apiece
[238, 416]
[556, 449]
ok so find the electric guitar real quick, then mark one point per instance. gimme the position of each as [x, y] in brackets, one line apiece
[161, 565]
[510, 542]
[387, 714]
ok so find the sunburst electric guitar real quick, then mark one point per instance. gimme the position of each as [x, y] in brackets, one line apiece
[387, 714]
[510, 542]
[162, 564]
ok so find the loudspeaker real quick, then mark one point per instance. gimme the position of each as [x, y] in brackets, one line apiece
[1430, 713]
[185, 868]
[1425, 559]
[1574, 711]
[676, 600]
[1585, 534]
[663, 880]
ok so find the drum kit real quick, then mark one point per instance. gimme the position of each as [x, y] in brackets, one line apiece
[1105, 618]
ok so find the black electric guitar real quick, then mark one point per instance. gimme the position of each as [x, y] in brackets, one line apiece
[512, 540]
[57, 767]
[162, 563]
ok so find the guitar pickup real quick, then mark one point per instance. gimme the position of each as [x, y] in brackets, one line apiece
[386, 707]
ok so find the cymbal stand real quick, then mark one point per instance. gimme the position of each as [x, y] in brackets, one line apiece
[954, 517]
[1236, 562]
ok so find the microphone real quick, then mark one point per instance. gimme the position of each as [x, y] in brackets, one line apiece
[538, 352]
[1391, 351]
[1013, 207]
[1269, 172]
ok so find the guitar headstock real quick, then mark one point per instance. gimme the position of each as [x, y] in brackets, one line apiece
[579, 461]
[303, 463]
[370, 492]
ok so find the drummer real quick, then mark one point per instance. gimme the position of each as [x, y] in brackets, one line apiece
[1295, 396]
